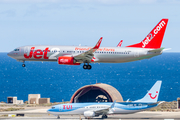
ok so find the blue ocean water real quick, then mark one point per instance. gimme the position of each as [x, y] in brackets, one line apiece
[58, 82]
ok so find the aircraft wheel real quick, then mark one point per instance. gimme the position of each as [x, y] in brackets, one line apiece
[104, 116]
[85, 66]
[23, 65]
[58, 117]
[89, 67]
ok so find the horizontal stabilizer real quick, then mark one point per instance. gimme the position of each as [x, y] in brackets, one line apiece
[156, 50]
[166, 49]
[161, 102]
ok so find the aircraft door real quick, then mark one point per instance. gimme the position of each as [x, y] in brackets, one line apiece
[136, 54]
[60, 109]
[26, 50]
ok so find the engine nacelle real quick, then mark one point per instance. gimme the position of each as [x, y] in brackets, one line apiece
[89, 114]
[65, 60]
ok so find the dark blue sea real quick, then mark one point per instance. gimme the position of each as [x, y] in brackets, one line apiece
[58, 82]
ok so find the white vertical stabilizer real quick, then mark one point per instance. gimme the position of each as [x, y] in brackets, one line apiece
[152, 95]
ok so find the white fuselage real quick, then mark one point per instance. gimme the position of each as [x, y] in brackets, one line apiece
[80, 108]
[102, 55]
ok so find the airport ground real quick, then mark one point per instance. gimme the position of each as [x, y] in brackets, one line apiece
[38, 113]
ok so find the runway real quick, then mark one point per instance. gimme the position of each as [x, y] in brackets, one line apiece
[40, 113]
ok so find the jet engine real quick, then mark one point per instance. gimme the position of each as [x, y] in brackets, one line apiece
[89, 114]
[66, 60]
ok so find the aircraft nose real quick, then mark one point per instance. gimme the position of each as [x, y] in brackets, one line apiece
[49, 111]
[9, 54]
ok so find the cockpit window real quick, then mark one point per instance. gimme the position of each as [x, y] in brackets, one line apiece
[16, 49]
[53, 107]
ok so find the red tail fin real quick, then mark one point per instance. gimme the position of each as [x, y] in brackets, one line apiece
[154, 38]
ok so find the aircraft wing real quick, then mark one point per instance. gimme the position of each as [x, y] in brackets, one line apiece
[101, 111]
[106, 110]
[88, 55]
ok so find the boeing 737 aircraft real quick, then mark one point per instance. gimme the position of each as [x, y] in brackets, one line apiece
[75, 55]
[90, 110]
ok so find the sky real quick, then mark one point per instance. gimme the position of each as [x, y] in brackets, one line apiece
[74, 22]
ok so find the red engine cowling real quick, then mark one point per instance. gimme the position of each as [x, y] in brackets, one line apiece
[65, 60]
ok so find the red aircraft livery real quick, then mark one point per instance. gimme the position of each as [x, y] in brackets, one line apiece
[76, 55]
[37, 54]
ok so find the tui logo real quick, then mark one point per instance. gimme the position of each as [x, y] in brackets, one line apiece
[150, 94]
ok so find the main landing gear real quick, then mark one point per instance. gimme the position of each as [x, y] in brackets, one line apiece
[104, 116]
[87, 66]
[58, 117]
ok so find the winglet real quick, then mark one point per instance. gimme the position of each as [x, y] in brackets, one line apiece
[98, 43]
[111, 109]
[127, 100]
[120, 43]
[112, 106]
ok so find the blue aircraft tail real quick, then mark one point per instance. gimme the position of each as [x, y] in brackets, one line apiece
[152, 95]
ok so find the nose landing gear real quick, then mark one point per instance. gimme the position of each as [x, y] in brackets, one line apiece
[23, 65]
[87, 66]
